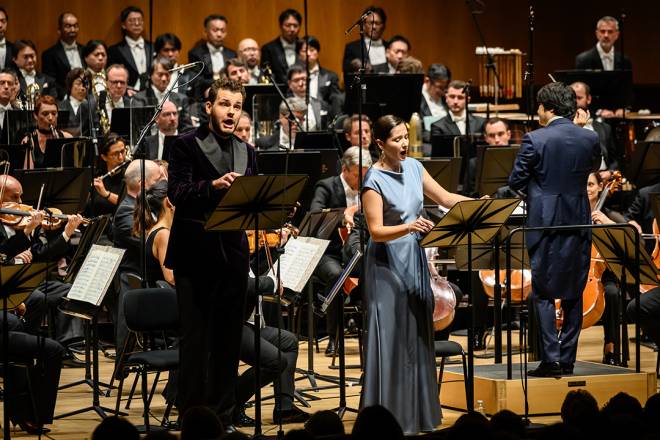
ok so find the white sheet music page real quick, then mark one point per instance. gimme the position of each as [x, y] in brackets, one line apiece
[301, 255]
[96, 274]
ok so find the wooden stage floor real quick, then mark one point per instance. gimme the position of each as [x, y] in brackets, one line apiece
[81, 426]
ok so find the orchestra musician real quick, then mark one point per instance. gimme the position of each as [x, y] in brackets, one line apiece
[132, 52]
[45, 115]
[399, 367]
[280, 54]
[211, 289]
[25, 59]
[75, 101]
[109, 184]
[64, 55]
[551, 167]
[337, 192]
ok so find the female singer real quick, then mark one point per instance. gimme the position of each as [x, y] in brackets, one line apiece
[400, 357]
[158, 221]
[609, 281]
[109, 188]
[45, 115]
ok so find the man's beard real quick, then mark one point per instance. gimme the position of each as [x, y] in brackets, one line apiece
[217, 127]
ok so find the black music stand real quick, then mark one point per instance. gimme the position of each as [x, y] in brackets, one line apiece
[129, 121]
[66, 189]
[257, 202]
[468, 223]
[17, 124]
[494, 165]
[15, 154]
[644, 166]
[609, 89]
[338, 289]
[445, 171]
[397, 94]
[17, 282]
[253, 90]
[616, 245]
[69, 152]
[315, 140]
[321, 224]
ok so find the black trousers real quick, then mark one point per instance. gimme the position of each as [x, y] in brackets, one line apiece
[611, 312]
[558, 348]
[211, 320]
[43, 375]
[281, 373]
[649, 313]
[66, 328]
[328, 270]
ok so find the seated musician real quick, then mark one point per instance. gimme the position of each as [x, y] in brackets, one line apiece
[496, 134]
[337, 192]
[640, 211]
[317, 115]
[608, 279]
[45, 115]
[455, 122]
[433, 106]
[284, 132]
[168, 125]
[244, 128]
[109, 184]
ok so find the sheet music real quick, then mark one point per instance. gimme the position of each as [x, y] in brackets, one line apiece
[299, 260]
[96, 274]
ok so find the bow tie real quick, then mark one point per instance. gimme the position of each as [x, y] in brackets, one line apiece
[73, 46]
[291, 46]
[374, 43]
[213, 50]
[3, 43]
[138, 44]
[608, 56]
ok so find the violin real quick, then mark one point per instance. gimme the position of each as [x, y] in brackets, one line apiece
[17, 216]
[271, 239]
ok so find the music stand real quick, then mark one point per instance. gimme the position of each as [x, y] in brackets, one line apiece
[616, 245]
[252, 90]
[494, 165]
[644, 167]
[69, 152]
[17, 282]
[314, 140]
[257, 202]
[321, 224]
[397, 94]
[467, 223]
[66, 189]
[609, 89]
[445, 171]
[128, 122]
[15, 154]
[17, 124]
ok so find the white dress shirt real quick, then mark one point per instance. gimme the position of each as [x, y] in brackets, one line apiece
[157, 93]
[289, 51]
[72, 54]
[607, 58]
[75, 104]
[437, 109]
[314, 82]
[3, 52]
[217, 61]
[284, 139]
[3, 109]
[352, 196]
[30, 77]
[255, 72]
[459, 121]
[376, 52]
[161, 143]
[137, 49]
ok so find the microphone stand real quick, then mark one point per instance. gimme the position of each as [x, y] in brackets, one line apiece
[529, 68]
[490, 61]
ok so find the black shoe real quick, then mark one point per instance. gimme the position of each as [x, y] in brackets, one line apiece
[241, 419]
[566, 368]
[331, 349]
[71, 361]
[293, 415]
[480, 340]
[546, 369]
[230, 428]
[609, 359]
[32, 428]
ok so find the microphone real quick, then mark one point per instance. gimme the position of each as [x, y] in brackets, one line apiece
[185, 66]
[362, 18]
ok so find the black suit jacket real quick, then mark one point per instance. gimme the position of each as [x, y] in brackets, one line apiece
[74, 123]
[201, 53]
[10, 247]
[641, 209]
[150, 146]
[46, 83]
[447, 127]
[589, 59]
[194, 165]
[329, 193]
[55, 64]
[147, 97]
[123, 238]
[607, 144]
[328, 91]
[272, 54]
[351, 52]
[120, 53]
[10, 51]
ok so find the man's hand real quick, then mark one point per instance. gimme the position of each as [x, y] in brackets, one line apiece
[636, 225]
[225, 181]
[72, 223]
[35, 221]
[349, 214]
[25, 257]
[581, 117]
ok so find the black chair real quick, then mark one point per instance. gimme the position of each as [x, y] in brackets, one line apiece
[445, 349]
[150, 314]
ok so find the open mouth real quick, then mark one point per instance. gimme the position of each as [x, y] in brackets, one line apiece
[403, 153]
[228, 123]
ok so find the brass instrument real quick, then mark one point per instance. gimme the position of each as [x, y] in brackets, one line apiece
[33, 93]
[53, 131]
[97, 84]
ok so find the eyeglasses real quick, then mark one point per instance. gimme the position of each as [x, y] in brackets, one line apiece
[117, 154]
[117, 83]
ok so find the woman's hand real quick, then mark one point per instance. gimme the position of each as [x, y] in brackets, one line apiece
[420, 225]
[100, 187]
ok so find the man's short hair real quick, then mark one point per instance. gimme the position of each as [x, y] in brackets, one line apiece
[311, 41]
[115, 66]
[558, 98]
[225, 84]
[457, 84]
[245, 114]
[396, 38]
[289, 13]
[72, 76]
[127, 11]
[586, 87]
[410, 65]
[438, 72]
[295, 68]
[19, 45]
[44, 99]
[351, 157]
[9, 71]
[167, 38]
[212, 17]
[348, 122]
[608, 19]
[378, 10]
[60, 19]
[495, 120]
[297, 105]
[160, 61]
[236, 62]
[2, 9]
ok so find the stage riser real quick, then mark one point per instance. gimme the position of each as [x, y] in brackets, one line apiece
[545, 395]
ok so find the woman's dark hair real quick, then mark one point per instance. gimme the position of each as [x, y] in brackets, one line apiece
[155, 197]
[72, 76]
[384, 126]
[311, 41]
[91, 47]
[598, 177]
[200, 422]
[108, 141]
[559, 98]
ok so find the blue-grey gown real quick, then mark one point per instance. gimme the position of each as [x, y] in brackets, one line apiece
[399, 371]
